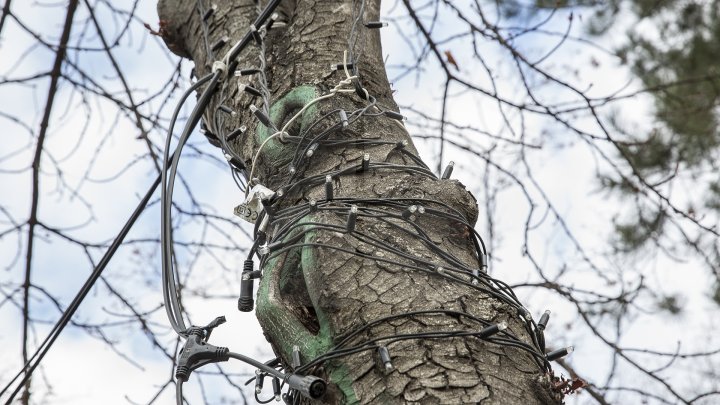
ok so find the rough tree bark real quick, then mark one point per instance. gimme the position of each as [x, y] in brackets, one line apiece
[311, 295]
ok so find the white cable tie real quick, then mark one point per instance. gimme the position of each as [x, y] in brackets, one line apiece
[218, 65]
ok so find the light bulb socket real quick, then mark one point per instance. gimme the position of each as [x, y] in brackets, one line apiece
[339, 66]
[352, 218]
[329, 188]
[448, 170]
[376, 24]
[491, 330]
[559, 353]
[394, 115]
[344, 118]
[249, 89]
[261, 116]
[385, 359]
[235, 133]
[209, 12]
[259, 381]
[246, 72]
[220, 43]
[276, 388]
[296, 361]
[544, 319]
[365, 164]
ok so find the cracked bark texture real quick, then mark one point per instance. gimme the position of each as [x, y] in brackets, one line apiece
[312, 295]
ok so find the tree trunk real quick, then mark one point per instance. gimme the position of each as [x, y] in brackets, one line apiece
[334, 282]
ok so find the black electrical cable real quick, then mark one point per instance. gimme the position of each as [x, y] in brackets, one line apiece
[166, 160]
[178, 391]
[170, 293]
[42, 350]
[69, 312]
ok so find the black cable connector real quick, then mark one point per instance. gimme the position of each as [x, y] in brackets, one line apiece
[246, 302]
[197, 352]
[308, 386]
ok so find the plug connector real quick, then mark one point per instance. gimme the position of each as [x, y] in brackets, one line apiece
[308, 386]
